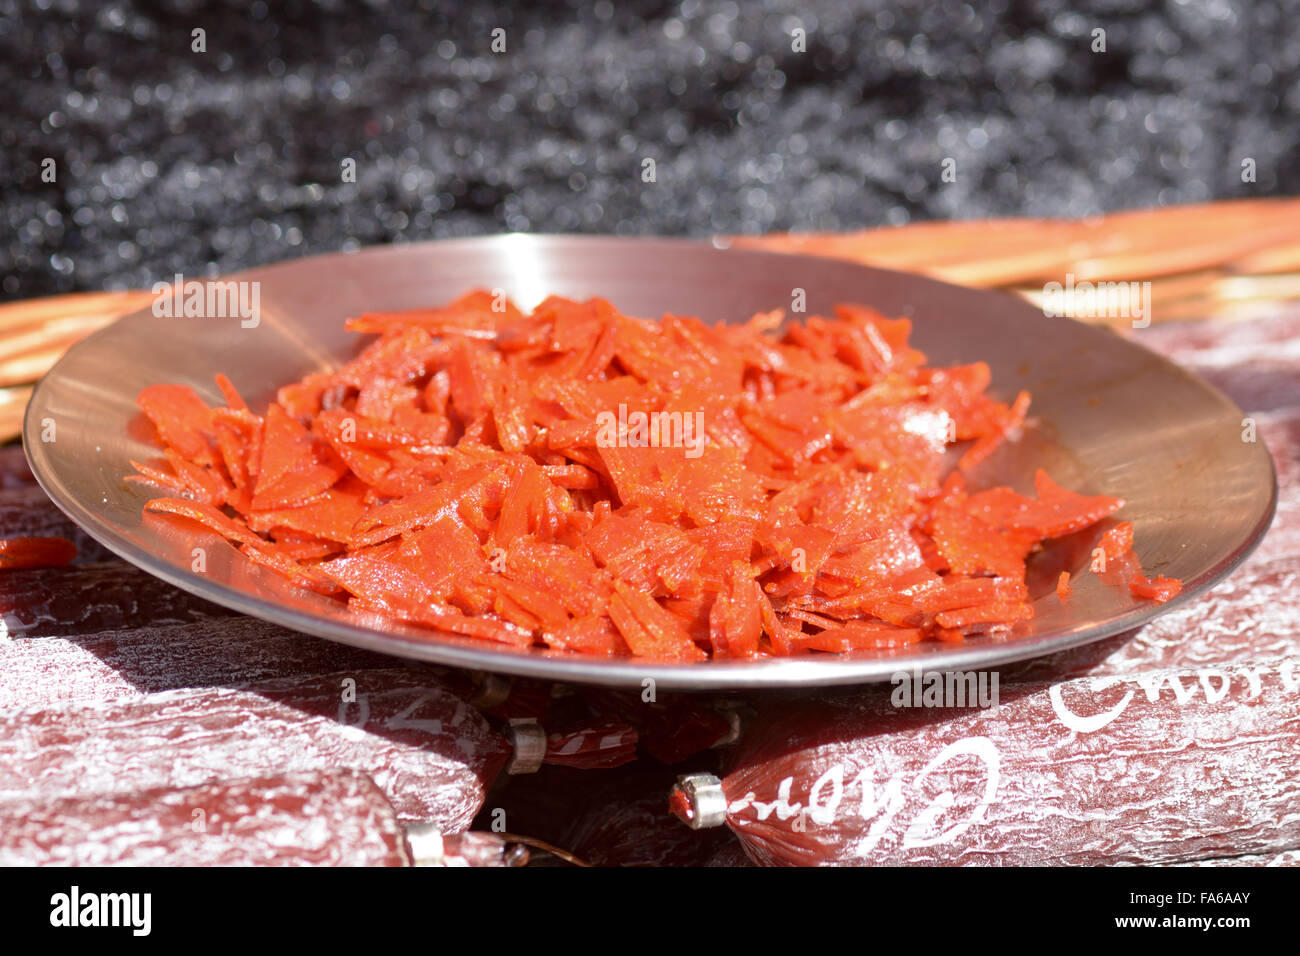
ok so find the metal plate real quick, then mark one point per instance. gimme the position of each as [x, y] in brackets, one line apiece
[1107, 417]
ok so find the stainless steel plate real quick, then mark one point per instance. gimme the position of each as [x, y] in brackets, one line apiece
[1108, 416]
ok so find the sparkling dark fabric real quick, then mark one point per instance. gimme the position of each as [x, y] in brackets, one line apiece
[172, 161]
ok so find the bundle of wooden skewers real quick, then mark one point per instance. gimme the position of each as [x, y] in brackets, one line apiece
[1228, 260]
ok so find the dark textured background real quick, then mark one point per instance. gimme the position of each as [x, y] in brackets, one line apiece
[173, 161]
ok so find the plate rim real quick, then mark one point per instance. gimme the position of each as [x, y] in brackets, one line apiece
[767, 674]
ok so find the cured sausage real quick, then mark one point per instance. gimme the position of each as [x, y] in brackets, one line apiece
[1155, 767]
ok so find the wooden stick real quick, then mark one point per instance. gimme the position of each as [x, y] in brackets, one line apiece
[26, 312]
[13, 403]
[30, 367]
[39, 335]
[1127, 245]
